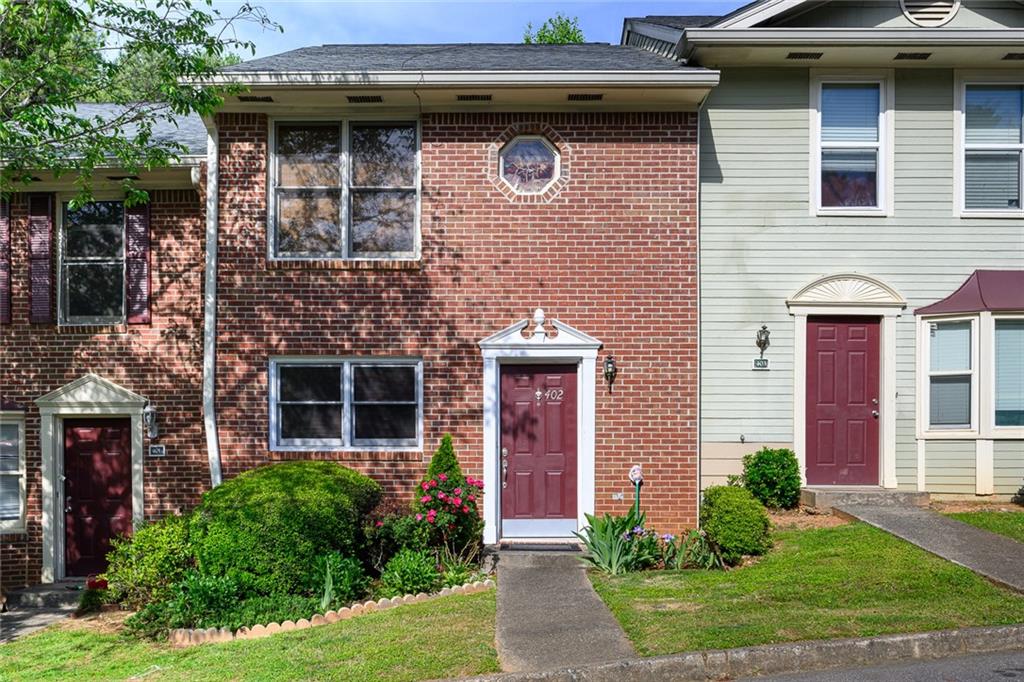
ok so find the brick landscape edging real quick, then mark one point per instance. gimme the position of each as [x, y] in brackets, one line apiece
[795, 657]
[182, 637]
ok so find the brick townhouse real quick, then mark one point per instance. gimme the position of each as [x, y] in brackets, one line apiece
[496, 241]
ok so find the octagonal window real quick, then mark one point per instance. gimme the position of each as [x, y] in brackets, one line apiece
[529, 164]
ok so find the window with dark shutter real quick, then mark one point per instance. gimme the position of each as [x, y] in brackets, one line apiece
[40, 266]
[5, 262]
[93, 264]
[137, 284]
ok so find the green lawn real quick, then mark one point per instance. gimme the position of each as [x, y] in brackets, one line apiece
[848, 581]
[1010, 524]
[446, 637]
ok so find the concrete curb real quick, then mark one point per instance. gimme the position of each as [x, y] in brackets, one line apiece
[797, 657]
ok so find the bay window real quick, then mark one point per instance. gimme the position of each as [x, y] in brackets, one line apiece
[369, 403]
[950, 374]
[345, 189]
[1009, 372]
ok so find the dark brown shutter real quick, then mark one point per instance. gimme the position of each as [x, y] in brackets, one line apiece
[5, 261]
[40, 257]
[137, 263]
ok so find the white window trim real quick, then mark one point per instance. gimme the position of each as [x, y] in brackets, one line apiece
[547, 143]
[81, 321]
[343, 122]
[988, 366]
[17, 525]
[886, 136]
[962, 79]
[347, 442]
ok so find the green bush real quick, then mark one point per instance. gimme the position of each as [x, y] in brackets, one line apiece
[199, 600]
[409, 572]
[773, 476]
[735, 523]
[145, 566]
[263, 610]
[339, 580]
[388, 535]
[444, 460]
[620, 544]
[448, 502]
[91, 601]
[265, 529]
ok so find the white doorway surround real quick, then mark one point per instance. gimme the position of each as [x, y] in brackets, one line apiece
[531, 342]
[848, 294]
[94, 396]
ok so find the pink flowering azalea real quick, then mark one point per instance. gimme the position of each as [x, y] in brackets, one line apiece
[457, 501]
[465, 510]
[442, 496]
[430, 519]
[433, 483]
[426, 498]
[419, 517]
[457, 491]
[380, 523]
[443, 477]
[471, 498]
[424, 485]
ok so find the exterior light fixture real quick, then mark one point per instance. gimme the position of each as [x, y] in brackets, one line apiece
[149, 421]
[762, 341]
[610, 371]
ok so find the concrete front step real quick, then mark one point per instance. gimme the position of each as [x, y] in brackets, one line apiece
[826, 498]
[62, 595]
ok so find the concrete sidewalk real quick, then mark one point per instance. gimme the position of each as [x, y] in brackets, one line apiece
[549, 615]
[994, 556]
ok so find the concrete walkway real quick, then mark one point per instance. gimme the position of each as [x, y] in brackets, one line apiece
[994, 556]
[549, 615]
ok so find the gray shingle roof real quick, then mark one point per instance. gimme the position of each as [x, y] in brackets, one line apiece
[680, 22]
[186, 130]
[459, 57]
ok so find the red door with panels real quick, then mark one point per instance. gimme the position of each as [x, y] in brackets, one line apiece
[97, 491]
[538, 450]
[842, 400]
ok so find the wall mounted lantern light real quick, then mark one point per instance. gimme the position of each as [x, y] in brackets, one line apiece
[762, 341]
[610, 371]
[149, 421]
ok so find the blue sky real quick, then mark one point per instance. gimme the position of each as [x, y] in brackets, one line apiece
[315, 22]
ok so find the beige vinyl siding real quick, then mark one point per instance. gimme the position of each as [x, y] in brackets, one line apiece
[760, 244]
[950, 466]
[1008, 456]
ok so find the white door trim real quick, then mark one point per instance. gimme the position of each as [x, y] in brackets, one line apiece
[566, 346]
[842, 295]
[87, 396]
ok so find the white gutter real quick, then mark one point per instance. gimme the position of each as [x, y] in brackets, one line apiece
[836, 37]
[210, 301]
[693, 77]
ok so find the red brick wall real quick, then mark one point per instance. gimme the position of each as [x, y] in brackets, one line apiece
[613, 254]
[161, 360]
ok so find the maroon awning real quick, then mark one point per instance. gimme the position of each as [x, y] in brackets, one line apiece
[984, 290]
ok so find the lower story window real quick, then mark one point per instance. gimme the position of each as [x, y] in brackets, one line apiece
[345, 404]
[12, 473]
[1009, 370]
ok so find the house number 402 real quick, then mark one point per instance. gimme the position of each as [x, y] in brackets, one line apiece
[554, 393]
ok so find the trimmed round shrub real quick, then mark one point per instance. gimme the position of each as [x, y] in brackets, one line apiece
[409, 572]
[145, 566]
[735, 523]
[773, 477]
[347, 580]
[266, 528]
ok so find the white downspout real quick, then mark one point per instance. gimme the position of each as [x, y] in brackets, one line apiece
[210, 301]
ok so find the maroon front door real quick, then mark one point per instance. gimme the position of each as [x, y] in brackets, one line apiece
[842, 400]
[97, 490]
[538, 450]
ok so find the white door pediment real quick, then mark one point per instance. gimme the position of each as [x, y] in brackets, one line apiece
[91, 390]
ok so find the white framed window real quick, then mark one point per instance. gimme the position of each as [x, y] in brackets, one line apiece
[92, 263]
[1008, 371]
[851, 142]
[990, 144]
[529, 164]
[12, 472]
[344, 189]
[346, 403]
[951, 356]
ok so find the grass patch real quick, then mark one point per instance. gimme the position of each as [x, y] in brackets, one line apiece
[448, 637]
[849, 581]
[1010, 524]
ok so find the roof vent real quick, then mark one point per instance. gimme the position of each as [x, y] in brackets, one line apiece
[255, 98]
[364, 99]
[1014, 56]
[912, 56]
[585, 96]
[930, 13]
[805, 56]
[473, 98]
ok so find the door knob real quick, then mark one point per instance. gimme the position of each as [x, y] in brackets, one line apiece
[504, 467]
[874, 413]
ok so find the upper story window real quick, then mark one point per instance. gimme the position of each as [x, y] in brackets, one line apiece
[993, 154]
[851, 145]
[324, 404]
[92, 263]
[529, 164]
[12, 472]
[346, 189]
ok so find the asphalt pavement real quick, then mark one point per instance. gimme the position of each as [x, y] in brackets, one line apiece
[999, 667]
